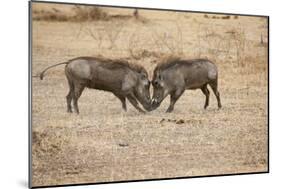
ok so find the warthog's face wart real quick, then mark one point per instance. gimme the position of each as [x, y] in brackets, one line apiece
[143, 93]
[159, 91]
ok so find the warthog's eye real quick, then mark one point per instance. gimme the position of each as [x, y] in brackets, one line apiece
[155, 83]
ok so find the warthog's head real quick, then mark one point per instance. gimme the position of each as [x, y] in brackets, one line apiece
[142, 90]
[160, 90]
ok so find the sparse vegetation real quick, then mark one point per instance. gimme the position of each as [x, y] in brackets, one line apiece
[79, 14]
[220, 16]
[88, 13]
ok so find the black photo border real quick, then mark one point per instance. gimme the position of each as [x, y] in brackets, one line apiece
[141, 8]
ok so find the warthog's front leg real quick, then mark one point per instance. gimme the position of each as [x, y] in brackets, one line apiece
[173, 99]
[134, 102]
[123, 101]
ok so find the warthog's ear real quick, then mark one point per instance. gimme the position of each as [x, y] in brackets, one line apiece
[143, 75]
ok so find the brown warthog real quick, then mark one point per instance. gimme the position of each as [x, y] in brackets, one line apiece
[175, 75]
[123, 79]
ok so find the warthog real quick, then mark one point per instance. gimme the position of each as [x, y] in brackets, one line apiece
[175, 75]
[123, 79]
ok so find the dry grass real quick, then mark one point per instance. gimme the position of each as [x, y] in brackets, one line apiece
[77, 13]
[81, 14]
[104, 143]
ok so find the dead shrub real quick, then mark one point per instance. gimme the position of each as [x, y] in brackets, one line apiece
[49, 16]
[47, 143]
[216, 46]
[89, 13]
[81, 14]
[225, 17]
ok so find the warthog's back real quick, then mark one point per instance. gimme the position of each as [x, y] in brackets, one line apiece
[203, 68]
[199, 67]
[89, 67]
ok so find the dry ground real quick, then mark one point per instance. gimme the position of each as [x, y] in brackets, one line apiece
[106, 144]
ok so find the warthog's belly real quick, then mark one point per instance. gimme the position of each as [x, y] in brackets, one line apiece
[195, 84]
[105, 86]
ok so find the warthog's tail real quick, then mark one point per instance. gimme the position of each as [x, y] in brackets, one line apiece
[42, 73]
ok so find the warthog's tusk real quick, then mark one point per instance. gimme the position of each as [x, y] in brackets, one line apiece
[154, 101]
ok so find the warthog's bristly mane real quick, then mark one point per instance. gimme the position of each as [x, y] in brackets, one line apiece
[167, 62]
[114, 63]
[173, 60]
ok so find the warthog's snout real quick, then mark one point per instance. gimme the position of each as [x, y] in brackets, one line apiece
[154, 103]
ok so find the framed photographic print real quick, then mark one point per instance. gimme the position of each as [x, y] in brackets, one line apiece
[120, 94]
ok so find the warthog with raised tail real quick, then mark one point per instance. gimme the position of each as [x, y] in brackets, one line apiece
[124, 80]
[174, 76]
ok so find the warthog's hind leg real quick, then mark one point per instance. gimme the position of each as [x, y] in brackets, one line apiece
[68, 101]
[206, 92]
[214, 87]
[69, 96]
[78, 89]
